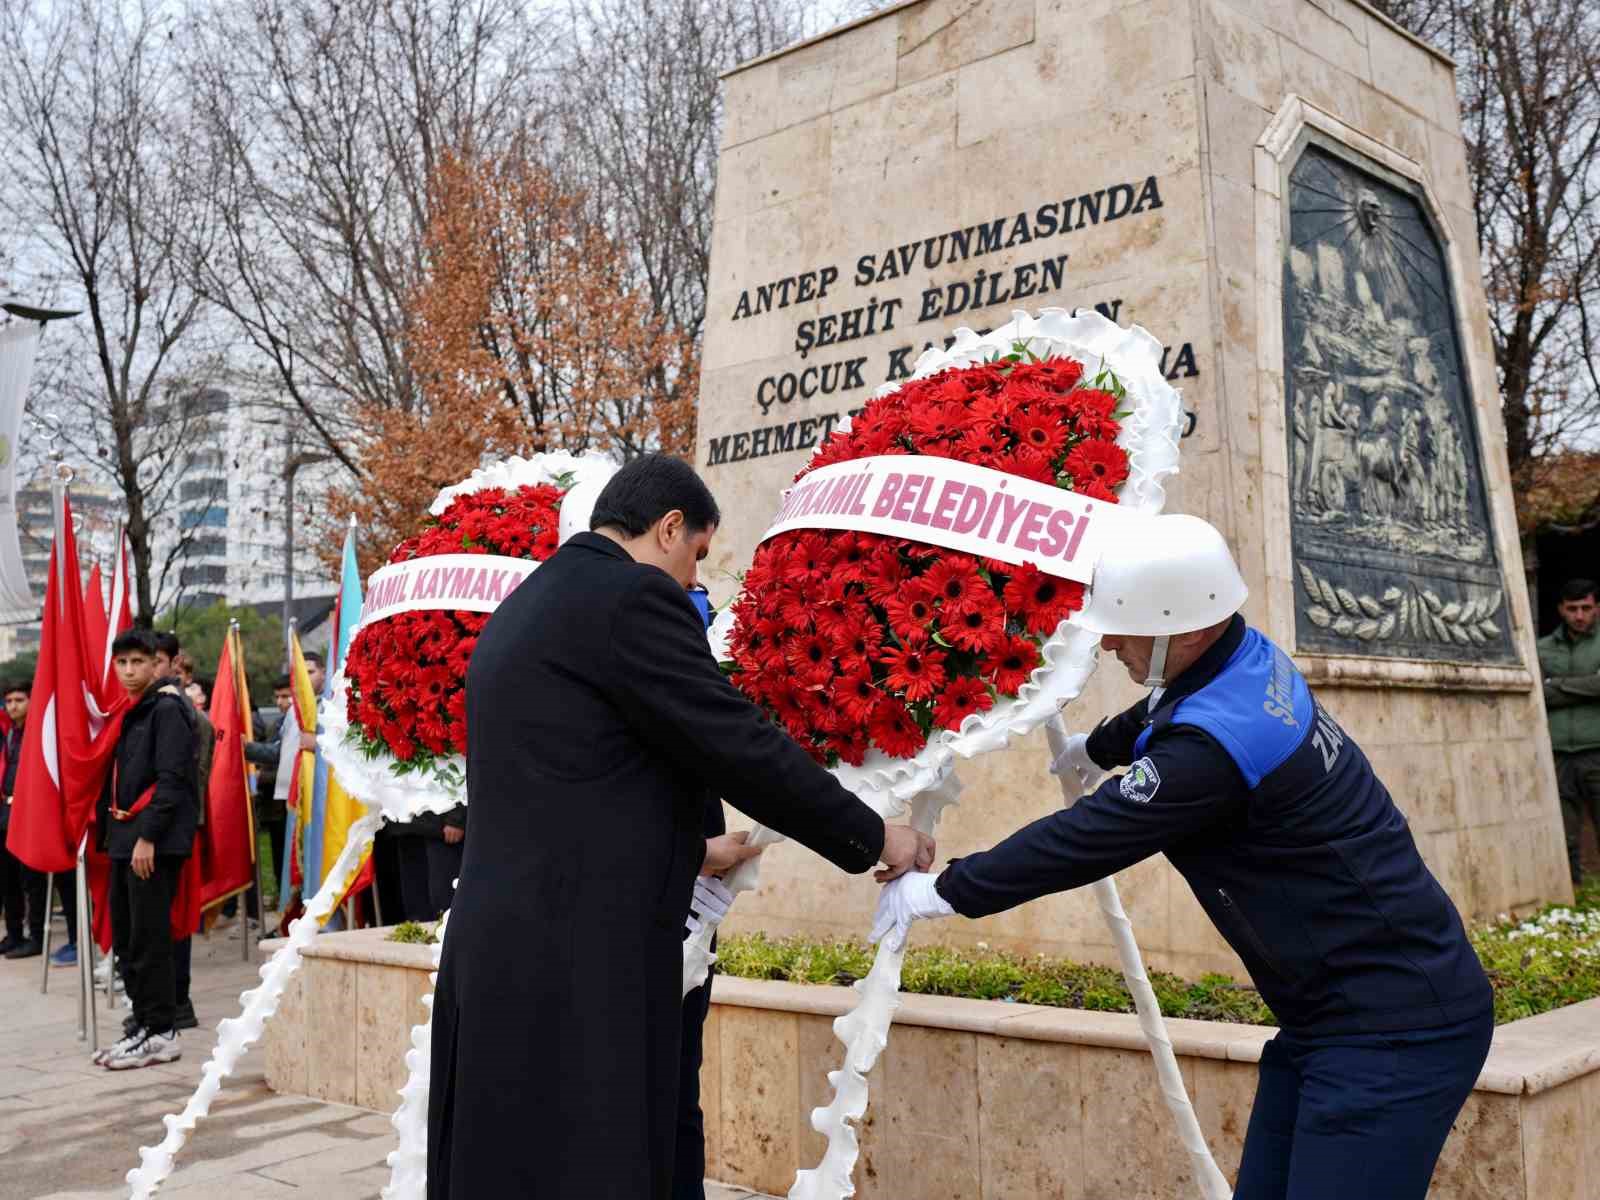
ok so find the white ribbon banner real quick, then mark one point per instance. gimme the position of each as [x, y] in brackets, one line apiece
[459, 582]
[957, 505]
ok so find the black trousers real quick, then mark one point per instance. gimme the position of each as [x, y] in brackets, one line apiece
[141, 936]
[182, 954]
[22, 894]
[386, 875]
[444, 865]
[416, 883]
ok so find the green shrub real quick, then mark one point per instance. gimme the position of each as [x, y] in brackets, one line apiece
[417, 932]
[1543, 962]
[1547, 961]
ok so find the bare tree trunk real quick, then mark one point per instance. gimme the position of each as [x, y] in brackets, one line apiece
[107, 172]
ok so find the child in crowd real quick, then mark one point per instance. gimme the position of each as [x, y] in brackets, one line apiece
[147, 818]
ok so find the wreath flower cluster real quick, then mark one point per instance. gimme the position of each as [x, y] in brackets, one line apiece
[408, 673]
[855, 640]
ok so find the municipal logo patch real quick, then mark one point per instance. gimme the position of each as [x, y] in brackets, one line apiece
[1141, 782]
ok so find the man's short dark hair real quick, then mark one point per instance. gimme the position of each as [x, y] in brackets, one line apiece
[1578, 589]
[311, 656]
[18, 685]
[282, 684]
[135, 641]
[650, 487]
[166, 642]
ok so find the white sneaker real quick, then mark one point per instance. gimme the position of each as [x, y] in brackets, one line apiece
[118, 1047]
[151, 1049]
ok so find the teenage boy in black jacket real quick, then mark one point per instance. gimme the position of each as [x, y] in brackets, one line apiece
[147, 818]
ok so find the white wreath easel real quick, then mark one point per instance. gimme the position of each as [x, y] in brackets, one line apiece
[926, 784]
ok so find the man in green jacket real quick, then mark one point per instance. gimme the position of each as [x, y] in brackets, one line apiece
[1569, 659]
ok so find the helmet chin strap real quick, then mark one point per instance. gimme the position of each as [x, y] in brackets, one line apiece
[1155, 675]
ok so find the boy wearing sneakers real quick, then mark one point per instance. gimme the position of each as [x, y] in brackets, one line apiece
[147, 817]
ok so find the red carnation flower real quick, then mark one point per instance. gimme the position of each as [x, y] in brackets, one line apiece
[859, 641]
[1009, 665]
[917, 671]
[810, 656]
[960, 700]
[1041, 434]
[1096, 458]
[1096, 490]
[978, 628]
[911, 610]
[894, 731]
[850, 745]
[857, 695]
[1042, 601]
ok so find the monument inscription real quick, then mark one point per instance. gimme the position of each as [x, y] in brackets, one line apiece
[906, 291]
[1389, 513]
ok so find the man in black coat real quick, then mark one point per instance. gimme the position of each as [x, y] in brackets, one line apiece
[597, 723]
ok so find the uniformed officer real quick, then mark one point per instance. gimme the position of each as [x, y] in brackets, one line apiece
[1292, 845]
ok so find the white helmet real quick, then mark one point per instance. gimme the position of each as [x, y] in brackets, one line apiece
[1171, 574]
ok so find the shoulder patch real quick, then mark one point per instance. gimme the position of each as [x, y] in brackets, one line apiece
[1141, 781]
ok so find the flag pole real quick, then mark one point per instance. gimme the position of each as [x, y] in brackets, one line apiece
[88, 1025]
[89, 1017]
[49, 900]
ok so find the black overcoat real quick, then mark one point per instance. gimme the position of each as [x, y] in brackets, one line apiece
[597, 721]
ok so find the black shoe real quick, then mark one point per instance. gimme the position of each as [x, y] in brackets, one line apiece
[183, 1016]
[27, 949]
[8, 944]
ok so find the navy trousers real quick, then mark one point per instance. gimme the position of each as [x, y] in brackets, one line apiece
[1362, 1115]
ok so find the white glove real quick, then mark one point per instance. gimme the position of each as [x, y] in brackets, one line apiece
[1074, 763]
[910, 898]
[711, 901]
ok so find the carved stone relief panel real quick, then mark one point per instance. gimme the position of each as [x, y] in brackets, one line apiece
[1390, 523]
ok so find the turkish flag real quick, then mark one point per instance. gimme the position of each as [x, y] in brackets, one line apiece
[226, 842]
[68, 743]
[120, 610]
[96, 624]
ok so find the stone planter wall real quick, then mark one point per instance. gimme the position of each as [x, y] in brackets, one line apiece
[973, 1098]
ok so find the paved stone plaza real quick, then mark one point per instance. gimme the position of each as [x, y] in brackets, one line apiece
[70, 1130]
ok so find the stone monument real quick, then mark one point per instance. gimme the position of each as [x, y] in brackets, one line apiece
[1277, 190]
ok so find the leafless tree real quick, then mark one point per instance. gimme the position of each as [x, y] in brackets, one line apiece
[642, 120]
[108, 172]
[326, 120]
[1528, 74]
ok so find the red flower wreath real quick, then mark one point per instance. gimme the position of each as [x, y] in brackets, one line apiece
[408, 672]
[855, 639]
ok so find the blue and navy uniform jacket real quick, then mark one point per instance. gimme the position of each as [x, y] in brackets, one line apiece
[1292, 845]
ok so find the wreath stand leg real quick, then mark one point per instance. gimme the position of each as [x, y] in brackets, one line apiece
[408, 1163]
[864, 1030]
[1213, 1185]
[235, 1035]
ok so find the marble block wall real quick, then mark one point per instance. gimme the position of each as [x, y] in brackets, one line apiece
[977, 1099]
[850, 165]
[343, 1025]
